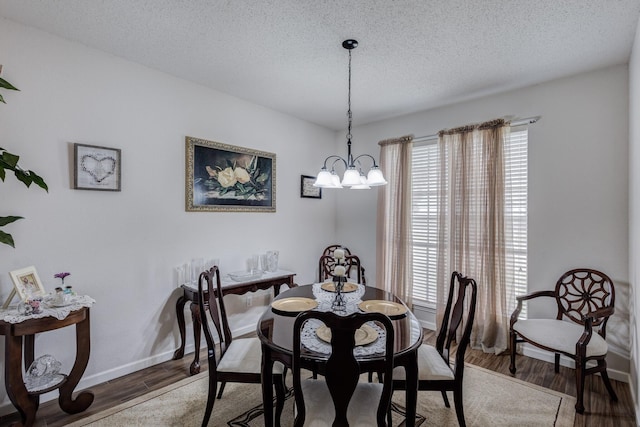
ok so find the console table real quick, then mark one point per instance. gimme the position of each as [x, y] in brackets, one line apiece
[25, 401]
[229, 287]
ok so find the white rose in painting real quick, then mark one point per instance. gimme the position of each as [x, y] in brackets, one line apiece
[242, 175]
[227, 178]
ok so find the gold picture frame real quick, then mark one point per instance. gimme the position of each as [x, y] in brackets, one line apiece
[26, 282]
[225, 178]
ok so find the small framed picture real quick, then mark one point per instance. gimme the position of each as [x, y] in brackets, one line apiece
[26, 282]
[307, 189]
[96, 168]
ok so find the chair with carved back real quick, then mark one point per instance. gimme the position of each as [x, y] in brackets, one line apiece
[585, 301]
[327, 263]
[339, 399]
[239, 359]
[435, 372]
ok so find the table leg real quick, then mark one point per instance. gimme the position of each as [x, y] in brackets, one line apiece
[83, 347]
[411, 378]
[267, 386]
[197, 327]
[179, 353]
[26, 404]
[29, 350]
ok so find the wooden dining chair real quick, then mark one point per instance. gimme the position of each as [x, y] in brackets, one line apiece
[435, 372]
[339, 399]
[327, 263]
[584, 298]
[239, 359]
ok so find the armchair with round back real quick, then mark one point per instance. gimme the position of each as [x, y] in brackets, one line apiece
[585, 300]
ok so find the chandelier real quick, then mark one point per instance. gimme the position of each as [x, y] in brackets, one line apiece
[354, 177]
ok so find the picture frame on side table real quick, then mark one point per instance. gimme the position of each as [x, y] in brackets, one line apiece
[96, 168]
[26, 282]
[307, 189]
[225, 178]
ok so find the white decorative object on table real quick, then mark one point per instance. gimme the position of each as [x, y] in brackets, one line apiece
[43, 373]
[272, 260]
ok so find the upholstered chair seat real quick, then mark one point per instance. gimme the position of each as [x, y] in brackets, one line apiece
[559, 335]
[431, 366]
[244, 355]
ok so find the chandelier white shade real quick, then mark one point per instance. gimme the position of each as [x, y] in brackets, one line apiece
[353, 177]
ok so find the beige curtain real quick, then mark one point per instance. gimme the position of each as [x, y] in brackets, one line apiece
[393, 257]
[471, 225]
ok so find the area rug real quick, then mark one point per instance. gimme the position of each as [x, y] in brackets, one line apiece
[490, 399]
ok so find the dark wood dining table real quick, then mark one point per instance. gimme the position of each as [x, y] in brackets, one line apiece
[275, 330]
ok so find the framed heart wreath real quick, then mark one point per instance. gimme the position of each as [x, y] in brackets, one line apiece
[96, 168]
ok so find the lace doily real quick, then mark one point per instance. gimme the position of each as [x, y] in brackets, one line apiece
[11, 314]
[310, 340]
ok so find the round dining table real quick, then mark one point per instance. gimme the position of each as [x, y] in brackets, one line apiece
[275, 330]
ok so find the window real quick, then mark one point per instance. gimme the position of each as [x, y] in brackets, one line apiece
[425, 182]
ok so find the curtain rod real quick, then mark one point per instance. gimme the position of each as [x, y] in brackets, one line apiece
[527, 121]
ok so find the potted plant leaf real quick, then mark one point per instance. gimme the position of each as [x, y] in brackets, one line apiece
[9, 162]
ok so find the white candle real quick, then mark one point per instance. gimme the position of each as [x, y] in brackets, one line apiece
[339, 270]
[338, 253]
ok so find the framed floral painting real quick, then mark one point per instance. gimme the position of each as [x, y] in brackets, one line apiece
[226, 178]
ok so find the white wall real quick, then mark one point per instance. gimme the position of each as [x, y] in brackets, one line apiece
[578, 210]
[634, 213]
[122, 247]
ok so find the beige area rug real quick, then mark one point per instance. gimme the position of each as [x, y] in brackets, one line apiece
[490, 399]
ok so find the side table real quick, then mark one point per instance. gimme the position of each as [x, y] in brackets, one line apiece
[15, 334]
[269, 280]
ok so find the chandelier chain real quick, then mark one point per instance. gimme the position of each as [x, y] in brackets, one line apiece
[349, 116]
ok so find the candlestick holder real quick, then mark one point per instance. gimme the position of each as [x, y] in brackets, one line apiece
[339, 304]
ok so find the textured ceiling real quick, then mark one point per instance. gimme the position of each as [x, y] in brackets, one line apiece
[287, 54]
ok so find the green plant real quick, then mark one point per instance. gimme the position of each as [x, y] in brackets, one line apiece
[9, 161]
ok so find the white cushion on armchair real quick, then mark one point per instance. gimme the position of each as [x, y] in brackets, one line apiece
[559, 335]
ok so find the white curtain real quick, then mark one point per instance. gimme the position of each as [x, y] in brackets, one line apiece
[394, 246]
[472, 226]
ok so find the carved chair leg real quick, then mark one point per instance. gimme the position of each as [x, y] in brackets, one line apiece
[579, 386]
[213, 385]
[512, 365]
[445, 398]
[222, 384]
[557, 363]
[457, 401]
[605, 377]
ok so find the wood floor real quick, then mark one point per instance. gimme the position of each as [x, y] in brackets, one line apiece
[599, 412]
